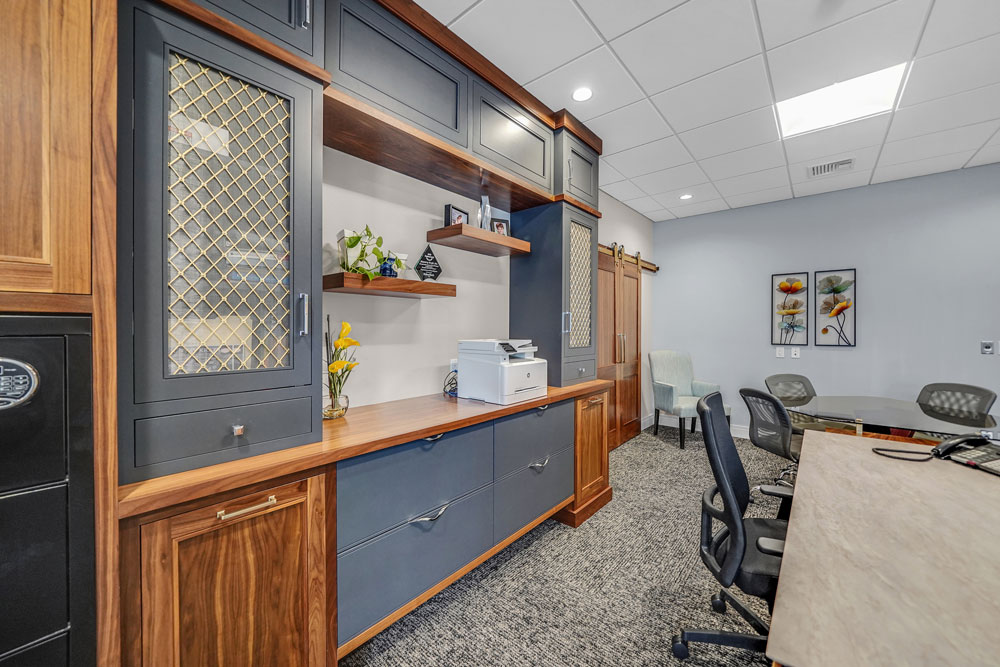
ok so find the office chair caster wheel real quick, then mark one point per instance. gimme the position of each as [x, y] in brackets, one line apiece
[680, 648]
[718, 604]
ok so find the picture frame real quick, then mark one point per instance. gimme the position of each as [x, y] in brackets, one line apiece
[453, 215]
[500, 227]
[790, 308]
[835, 310]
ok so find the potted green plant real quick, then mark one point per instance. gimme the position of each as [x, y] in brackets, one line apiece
[363, 253]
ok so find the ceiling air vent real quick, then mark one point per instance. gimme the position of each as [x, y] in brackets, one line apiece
[827, 168]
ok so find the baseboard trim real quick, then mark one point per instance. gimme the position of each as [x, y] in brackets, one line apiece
[738, 430]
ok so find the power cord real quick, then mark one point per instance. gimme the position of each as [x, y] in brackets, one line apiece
[451, 384]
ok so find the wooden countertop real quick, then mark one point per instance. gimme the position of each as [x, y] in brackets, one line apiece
[364, 429]
[887, 562]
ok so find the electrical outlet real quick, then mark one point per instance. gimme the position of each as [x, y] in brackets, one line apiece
[779, 352]
[796, 353]
[453, 366]
[986, 347]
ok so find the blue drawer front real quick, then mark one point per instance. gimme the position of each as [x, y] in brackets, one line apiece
[524, 496]
[383, 489]
[530, 436]
[379, 576]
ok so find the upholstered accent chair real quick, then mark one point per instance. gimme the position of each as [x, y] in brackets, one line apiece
[675, 391]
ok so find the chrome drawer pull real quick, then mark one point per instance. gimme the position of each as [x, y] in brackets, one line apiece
[223, 515]
[543, 407]
[434, 438]
[239, 429]
[430, 518]
[539, 466]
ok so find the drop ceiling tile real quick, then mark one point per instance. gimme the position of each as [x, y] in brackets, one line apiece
[987, 155]
[643, 204]
[757, 158]
[654, 156]
[968, 138]
[699, 208]
[845, 137]
[782, 21]
[749, 129]
[694, 39]
[661, 215]
[623, 190]
[760, 180]
[600, 71]
[955, 22]
[608, 174]
[702, 192]
[974, 106]
[614, 18]
[518, 35]
[881, 38]
[760, 197]
[446, 11]
[953, 71]
[864, 160]
[921, 167]
[820, 185]
[727, 92]
[629, 127]
[670, 179]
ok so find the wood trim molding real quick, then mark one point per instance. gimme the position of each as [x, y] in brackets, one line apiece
[40, 302]
[420, 20]
[579, 204]
[244, 36]
[632, 259]
[365, 635]
[576, 517]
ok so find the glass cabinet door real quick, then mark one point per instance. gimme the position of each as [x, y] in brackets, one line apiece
[222, 220]
[580, 281]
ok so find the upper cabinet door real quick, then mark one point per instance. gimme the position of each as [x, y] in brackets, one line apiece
[510, 138]
[296, 25]
[579, 283]
[45, 144]
[222, 218]
[576, 169]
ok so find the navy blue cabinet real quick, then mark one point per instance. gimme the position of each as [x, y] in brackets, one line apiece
[219, 198]
[576, 168]
[295, 25]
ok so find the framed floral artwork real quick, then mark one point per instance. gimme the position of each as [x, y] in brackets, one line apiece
[836, 308]
[790, 308]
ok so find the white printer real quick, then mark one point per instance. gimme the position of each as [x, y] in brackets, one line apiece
[500, 371]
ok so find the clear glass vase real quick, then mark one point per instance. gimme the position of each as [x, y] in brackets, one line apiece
[337, 408]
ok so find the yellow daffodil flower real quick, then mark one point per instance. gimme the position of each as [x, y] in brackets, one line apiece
[345, 329]
[338, 365]
[345, 342]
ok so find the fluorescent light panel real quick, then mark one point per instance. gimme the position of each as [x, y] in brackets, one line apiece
[856, 98]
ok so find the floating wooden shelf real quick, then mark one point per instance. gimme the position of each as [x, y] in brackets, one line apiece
[477, 239]
[355, 283]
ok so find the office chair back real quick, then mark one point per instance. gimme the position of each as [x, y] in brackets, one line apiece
[770, 426]
[950, 396]
[790, 386]
[722, 552]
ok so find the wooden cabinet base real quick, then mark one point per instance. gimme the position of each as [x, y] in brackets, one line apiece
[592, 486]
[575, 516]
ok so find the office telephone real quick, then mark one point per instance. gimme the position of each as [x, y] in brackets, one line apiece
[972, 450]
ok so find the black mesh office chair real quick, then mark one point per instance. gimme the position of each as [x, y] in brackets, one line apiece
[950, 397]
[744, 551]
[771, 428]
[790, 386]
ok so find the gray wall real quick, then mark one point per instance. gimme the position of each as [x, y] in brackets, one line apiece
[927, 252]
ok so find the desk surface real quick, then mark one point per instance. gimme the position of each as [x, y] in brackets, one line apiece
[887, 562]
[890, 412]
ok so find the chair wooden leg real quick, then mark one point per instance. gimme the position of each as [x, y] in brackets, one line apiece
[656, 422]
[694, 422]
[683, 426]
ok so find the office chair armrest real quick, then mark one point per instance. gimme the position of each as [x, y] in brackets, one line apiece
[699, 388]
[783, 492]
[771, 546]
[664, 396]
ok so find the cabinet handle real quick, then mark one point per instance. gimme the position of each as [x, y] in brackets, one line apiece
[569, 161]
[223, 515]
[539, 466]
[543, 407]
[567, 322]
[304, 300]
[239, 429]
[596, 399]
[430, 518]
[306, 13]
[434, 438]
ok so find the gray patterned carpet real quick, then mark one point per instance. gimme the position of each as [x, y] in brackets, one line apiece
[611, 592]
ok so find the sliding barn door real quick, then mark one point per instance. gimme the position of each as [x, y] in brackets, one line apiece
[607, 336]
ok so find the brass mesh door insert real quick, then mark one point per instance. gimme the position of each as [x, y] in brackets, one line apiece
[228, 235]
[579, 284]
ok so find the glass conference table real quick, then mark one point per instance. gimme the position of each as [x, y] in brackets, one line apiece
[885, 416]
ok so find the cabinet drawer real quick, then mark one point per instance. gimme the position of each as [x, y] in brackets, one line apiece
[576, 168]
[507, 136]
[380, 575]
[524, 496]
[383, 489]
[531, 436]
[162, 439]
[370, 54]
[33, 562]
[579, 370]
[296, 25]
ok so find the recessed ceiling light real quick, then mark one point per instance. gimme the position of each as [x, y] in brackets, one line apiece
[686, 196]
[860, 97]
[582, 94]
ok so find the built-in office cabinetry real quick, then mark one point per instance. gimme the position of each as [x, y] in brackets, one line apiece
[295, 25]
[218, 248]
[553, 290]
[510, 138]
[576, 168]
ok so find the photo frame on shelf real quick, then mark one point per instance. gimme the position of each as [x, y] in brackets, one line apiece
[790, 308]
[836, 309]
[500, 227]
[455, 216]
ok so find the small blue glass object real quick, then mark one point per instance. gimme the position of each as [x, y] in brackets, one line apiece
[388, 268]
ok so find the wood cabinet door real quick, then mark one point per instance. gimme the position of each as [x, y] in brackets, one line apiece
[628, 386]
[238, 583]
[591, 447]
[608, 347]
[45, 144]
